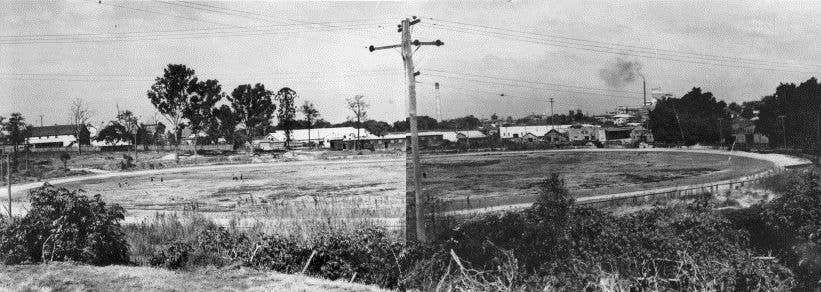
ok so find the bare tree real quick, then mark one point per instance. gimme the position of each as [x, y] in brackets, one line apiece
[359, 108]
[80, 114]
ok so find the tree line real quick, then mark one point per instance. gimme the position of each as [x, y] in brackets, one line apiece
[790, 117]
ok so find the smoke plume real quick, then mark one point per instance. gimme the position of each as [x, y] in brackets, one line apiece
[621, 72]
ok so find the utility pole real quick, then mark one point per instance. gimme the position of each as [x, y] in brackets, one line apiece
[41, 120]
[438, 102]
[783, 130]
[414, 213]
[8, 183]
[644, 85]
[551, 112]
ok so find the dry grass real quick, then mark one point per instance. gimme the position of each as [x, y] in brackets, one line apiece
[70, 277]
[511, 177]
[289, 198]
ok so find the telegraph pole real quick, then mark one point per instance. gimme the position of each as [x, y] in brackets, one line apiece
[414, 213]
[8, 180]
[438, 102]
[551, 111]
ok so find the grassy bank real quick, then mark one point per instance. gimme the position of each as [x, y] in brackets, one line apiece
[77, 277]
[693, 245]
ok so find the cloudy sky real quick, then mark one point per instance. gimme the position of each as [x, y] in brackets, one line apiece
[109, 52]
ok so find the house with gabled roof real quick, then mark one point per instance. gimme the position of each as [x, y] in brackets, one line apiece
[58, 136]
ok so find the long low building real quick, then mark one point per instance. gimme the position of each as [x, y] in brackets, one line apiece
[322, 137]
[515, 132]
[57, 136]
[573, 133]
[427, 139]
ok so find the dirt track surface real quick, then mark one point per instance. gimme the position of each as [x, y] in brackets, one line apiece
[287, 196]
[16, 189]
[777, 162]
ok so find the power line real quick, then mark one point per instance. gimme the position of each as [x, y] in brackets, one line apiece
[534, 82]
[168, 37]
[222, 10]
[232, 31]
[653, 50]
[500, 94]
[683, 59]
[311, 73]
[96, 77]
[532, 87]
[202, 30]
[167, 14]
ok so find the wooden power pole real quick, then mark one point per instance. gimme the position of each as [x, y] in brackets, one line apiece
[414, 213]
[8, 183]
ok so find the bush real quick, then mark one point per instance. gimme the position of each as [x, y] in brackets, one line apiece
[789, 227]
[64, 157]
[680, 247]
[65, 225]
[127, 162]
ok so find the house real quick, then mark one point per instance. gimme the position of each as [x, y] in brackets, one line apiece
[58, 136]
[621, 119]
[471, 135]
[744, 133]
[641, 134]
[618, 133]
[579, 133]
[516, 132]
[556, 136]
[321, 137]
[189, 138]
[427, 140]
[262, 143]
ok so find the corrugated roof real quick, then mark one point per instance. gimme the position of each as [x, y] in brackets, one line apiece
[56, 130]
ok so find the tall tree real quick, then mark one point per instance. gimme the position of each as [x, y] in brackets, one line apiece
[359, 108]
[114, 132]
[200, 106]
[792, 114]
[171, 95]
[696, 117]
[378, 128]
[16, 132]
[131, 123]
[253, 108]
[80, 114]
[311, 114]
[286, 113]
[225, 123]
[2, 127]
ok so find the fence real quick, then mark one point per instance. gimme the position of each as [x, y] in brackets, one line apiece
[184, 147]
[674, 193]
[494, 204]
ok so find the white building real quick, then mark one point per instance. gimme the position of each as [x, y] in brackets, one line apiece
[54, 136]
[513, 132]
[454, 136]
[321, 136]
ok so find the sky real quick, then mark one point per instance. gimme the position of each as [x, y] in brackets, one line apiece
[504, 57]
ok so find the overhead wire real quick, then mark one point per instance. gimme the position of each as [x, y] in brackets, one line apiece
[533, 82]
[531, 87]
[683, 59]
[634, 48]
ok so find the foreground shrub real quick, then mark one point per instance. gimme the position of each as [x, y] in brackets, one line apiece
[65, 225]
[789, 227]
[680, 247]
